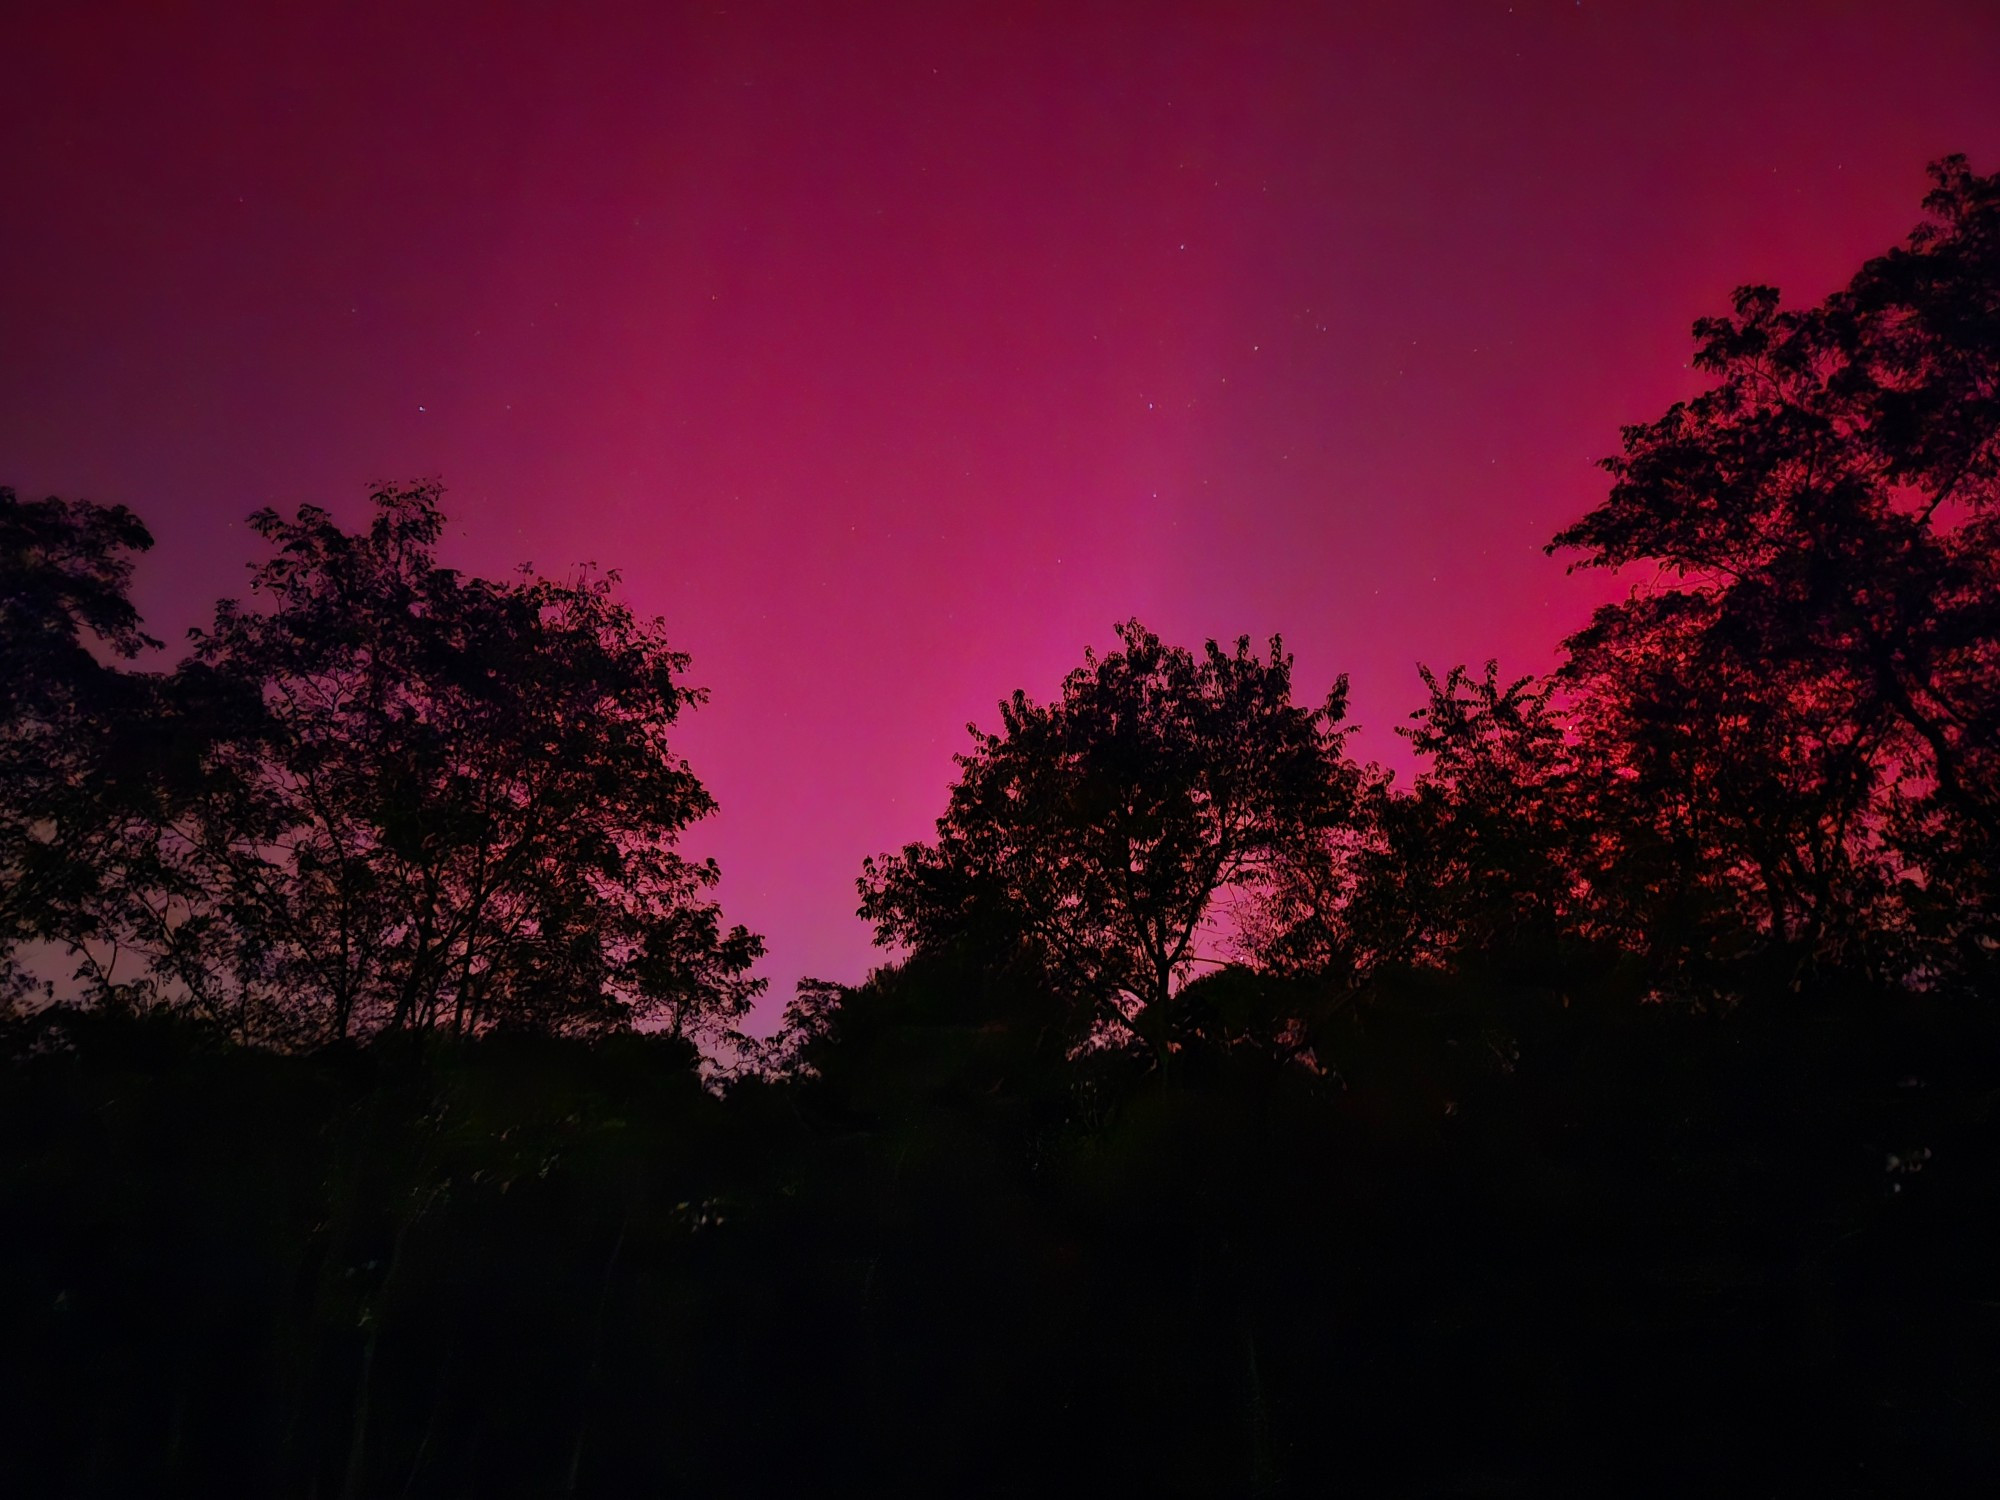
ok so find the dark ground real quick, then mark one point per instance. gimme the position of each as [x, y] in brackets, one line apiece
[1512, 1248]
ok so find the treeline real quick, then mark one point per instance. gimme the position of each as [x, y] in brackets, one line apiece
[1774, 766]
[382, 796]
[1611, 1109]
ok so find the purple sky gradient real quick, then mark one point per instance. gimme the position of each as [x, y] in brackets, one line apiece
[893, 355]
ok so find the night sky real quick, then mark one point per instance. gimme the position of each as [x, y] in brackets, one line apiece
[893, 355]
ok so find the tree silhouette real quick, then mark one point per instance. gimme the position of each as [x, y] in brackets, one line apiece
[65, 575]
[1095, 835]
[383, 800]
[1485, 855]
[1738, 803]
[1814, 679]
[1481, 856]
[453, 804]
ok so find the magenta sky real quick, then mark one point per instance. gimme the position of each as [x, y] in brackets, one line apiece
[894, 355]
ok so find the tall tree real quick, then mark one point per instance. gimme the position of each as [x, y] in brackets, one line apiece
[454, 804]
[1095, 835]
[1825, 625]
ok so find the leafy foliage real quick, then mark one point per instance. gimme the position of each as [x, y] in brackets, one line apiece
[399, 798]
[1093, 837]
[458, 806]
[66, 713]
[1481, 854]
[1807, 701]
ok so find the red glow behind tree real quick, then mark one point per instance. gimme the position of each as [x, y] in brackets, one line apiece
[1807, 702]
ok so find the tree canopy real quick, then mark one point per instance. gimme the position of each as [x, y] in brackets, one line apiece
[65, 605]
[1809, 695]
[1094, 836]
[412, 799]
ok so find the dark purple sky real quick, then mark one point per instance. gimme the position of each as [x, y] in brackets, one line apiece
[894, 354]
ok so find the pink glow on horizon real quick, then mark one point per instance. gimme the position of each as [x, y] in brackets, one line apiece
[893, 362]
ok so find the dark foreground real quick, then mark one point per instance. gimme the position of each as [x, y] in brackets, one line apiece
[1514, 1248]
